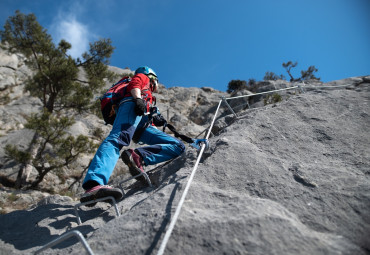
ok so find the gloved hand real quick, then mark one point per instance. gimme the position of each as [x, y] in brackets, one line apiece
[198, 142]
[159, 121]
[140, 107]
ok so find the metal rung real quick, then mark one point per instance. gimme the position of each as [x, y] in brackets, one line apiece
[95, 201]
[64, 237]
[129, 179]
[228, 106]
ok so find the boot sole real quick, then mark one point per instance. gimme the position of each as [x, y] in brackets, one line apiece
[101, 193]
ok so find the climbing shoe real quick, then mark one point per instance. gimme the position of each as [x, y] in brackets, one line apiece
[134, 163]
[101, 191]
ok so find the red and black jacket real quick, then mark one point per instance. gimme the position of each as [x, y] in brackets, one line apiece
[142, 82]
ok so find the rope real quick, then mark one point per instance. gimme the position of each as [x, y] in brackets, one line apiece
[295, 87]
[328, 87]
[179, 206]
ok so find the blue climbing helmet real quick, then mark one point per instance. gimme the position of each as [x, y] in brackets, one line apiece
[147, 71]
[151, 75]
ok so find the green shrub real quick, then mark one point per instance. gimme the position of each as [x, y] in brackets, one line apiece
[273, 99]
[235, 85]
[270, 76]
[13, 197]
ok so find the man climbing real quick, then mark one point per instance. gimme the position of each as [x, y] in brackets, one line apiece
[132, 122]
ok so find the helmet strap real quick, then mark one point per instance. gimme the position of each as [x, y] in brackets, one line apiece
[153, 85]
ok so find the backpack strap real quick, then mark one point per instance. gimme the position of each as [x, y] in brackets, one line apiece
[125, 100]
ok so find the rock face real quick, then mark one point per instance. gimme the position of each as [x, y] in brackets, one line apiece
[288, 178]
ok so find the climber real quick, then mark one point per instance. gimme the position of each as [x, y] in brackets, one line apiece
[133, 122]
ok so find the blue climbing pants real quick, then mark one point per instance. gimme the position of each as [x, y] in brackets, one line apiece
[161, 146]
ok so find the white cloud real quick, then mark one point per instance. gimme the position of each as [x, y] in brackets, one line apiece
[67, 27]
[75, 33]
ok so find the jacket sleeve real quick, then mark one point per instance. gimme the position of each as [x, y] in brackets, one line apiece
[140, 81]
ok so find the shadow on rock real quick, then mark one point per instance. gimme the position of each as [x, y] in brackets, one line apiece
[165, 221]
[28, 229]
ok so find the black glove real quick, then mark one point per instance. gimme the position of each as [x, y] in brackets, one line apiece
[159, 121]
[140, 107]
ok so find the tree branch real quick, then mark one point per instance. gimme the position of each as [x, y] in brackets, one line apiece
[10, 67]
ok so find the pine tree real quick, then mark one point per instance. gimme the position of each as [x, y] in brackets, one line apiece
[56, 149]
[305, 75]
[57, 85]
[309, 73]
[288, 66]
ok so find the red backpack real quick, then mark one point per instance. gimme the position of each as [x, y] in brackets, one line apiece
[109, 102]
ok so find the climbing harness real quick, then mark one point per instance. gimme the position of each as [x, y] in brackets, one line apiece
[154, 116]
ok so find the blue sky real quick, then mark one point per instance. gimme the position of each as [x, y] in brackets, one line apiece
[210, 42]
